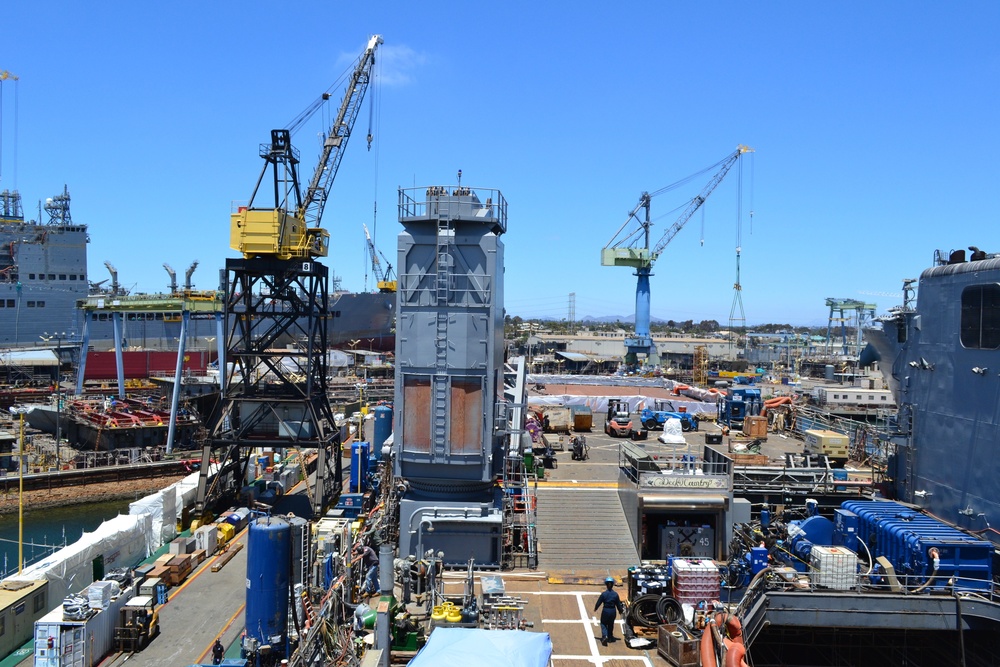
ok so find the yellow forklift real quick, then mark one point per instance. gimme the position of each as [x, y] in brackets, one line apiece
[138, 623]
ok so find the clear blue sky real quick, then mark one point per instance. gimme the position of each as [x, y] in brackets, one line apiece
[875, 129]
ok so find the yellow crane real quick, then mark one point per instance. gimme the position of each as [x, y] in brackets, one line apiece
[282, 230]
[386, 279]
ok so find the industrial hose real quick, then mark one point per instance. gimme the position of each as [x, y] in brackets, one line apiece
[668, 610]
[643, 611]
[936, 561]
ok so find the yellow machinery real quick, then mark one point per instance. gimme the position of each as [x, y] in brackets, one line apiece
[138, 624]
[386, 281]
[289, 228]
[276, 233]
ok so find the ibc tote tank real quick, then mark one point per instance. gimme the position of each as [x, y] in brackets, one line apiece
[268, 562]
[383, 428]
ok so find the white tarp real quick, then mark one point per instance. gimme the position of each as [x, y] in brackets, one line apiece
[162, 527]
[599, 404]
[672, 433]
[165, 506]
[122, 542]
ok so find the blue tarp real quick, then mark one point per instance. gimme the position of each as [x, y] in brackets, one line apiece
[484, 648]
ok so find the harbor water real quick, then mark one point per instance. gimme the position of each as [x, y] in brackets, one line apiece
[50, 529]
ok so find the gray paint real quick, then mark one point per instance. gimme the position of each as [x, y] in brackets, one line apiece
[949, 400]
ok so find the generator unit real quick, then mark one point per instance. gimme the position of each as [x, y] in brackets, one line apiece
[739, 403]
[935, 554]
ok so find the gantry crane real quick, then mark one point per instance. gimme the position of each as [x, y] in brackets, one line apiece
[624, 250]
[274, 370]
[386, 279]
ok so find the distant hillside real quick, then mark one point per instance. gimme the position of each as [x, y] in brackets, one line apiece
[608, 319]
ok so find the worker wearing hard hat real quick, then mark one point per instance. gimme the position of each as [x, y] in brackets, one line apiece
[609, 603]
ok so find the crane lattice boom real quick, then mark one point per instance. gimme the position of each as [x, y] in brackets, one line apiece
[336, 139]
[282, 230]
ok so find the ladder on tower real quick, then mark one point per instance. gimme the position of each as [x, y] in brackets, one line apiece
[699, 375]
[442, 281]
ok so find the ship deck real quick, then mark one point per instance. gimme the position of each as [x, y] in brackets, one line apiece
[583, 538]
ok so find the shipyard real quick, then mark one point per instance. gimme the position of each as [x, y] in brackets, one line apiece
[474, 361]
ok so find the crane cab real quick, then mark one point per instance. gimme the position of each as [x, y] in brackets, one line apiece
[275, 233]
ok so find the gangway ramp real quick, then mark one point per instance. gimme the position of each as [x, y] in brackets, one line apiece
[582, 530]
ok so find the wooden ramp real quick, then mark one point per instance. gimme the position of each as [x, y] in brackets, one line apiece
[582, 532]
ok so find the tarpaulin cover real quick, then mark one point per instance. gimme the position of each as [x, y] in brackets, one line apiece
[672, 433]
[485, 648]
[121, 541]
[166, 505]
[599, 404]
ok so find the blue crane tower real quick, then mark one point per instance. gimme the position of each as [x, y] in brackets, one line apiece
[624, 250]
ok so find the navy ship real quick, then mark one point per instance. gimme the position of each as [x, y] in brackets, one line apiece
[43, 270]
[43, 275]
[941, 358]
[920, 567]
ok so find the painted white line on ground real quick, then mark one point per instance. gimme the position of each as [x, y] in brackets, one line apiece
[604, 658]
[590, 622]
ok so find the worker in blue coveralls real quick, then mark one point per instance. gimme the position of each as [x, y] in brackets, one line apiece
[611, 603]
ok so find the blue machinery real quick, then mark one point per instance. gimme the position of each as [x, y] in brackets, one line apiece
[449, 364]
[914, 544]
[739, 403]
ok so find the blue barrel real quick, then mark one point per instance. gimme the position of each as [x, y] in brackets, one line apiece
[160, 592]
[383, 427]
[269, 552]
[360, 455]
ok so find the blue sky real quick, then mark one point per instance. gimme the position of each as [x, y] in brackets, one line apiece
[874, 126]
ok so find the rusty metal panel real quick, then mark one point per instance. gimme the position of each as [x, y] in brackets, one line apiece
[467, 410]
[417, 414]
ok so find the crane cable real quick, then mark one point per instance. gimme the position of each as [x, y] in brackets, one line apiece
[4, 75]
[375, 113]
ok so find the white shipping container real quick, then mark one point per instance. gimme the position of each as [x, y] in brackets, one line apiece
[148, 587]
[60, 643]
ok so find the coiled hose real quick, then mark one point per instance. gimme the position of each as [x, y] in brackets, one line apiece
[652, 610]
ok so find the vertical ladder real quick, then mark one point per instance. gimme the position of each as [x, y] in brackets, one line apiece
[442, 280]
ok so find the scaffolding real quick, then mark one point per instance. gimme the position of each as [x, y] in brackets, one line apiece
[520, 483]
[699, 374]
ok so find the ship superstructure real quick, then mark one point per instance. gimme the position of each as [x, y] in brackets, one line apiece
[43, 270]
[942, 359]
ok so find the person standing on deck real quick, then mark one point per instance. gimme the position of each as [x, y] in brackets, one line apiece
[611, 604]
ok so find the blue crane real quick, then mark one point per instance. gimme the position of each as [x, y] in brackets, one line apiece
[625, 250]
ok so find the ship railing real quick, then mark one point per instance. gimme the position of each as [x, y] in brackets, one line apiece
[468, 291]
[813, 581]
[454, 202]
[636, 459]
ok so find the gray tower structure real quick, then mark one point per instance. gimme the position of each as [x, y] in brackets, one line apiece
[449, 371]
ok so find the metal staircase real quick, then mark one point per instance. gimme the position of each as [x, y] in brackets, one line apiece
[520, 486]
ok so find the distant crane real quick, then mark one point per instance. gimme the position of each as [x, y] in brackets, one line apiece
[386, 279]
[863, 314]
[624, 250]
